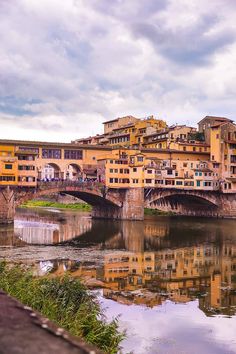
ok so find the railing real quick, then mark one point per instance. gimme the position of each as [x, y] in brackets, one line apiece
[69, 183]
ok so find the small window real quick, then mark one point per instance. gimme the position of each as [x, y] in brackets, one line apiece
[8, 166]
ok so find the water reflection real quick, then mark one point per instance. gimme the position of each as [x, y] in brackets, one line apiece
[146, 264]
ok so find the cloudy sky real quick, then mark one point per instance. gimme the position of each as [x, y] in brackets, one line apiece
[67, 66]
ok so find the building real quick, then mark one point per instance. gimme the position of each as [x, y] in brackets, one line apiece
[8, 165]
[204, 126]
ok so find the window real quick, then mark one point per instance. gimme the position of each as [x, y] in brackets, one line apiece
[111, 170]
[198, 183]
[169, 172]
[184, 148]
[194, 149]
[149, 171]
[26, 148]
[213, 157]
[134, 169]
[26, 158]
[148, 181]
[52, 153]
[8, 166]
[74, 154]
[140, 158]
[207, 184]
[7, 178]
[26, 168]
[217, 136]
[179, 183]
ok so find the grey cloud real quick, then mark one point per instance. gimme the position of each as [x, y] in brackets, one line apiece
[187, 46]
[129, 10]
[79, 62]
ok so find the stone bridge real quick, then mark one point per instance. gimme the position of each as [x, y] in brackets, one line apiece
[123, 203]
[191, 202]
[106, 203]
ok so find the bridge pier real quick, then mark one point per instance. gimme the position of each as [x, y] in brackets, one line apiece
[132, 206]
[7, 205]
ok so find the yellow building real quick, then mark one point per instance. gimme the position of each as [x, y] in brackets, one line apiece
[8, 165]
[163, 138]
[133, 131]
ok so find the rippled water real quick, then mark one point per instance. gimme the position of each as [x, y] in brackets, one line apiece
[172, 280]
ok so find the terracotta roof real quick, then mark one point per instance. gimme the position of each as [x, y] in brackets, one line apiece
[222, 119]
[125, 126]
[52, 144]
[194, 144]
[110, 121]
[218, 124]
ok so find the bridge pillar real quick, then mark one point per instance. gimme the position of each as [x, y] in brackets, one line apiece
[7, 205]
[132, 207]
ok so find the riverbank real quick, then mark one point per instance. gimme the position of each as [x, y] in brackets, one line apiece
[65, 301]
[81, 206]
[50, 204]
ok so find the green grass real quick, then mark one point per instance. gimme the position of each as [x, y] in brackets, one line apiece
[65, 301]
[47, 204]
[148, 211]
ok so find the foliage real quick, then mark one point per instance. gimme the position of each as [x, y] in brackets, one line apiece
[65, 301]
[148, 211]
[197, 136]
[48, 204]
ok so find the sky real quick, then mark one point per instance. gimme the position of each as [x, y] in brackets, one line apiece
[67, 66]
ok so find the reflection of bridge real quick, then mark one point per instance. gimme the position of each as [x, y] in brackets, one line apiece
[123, 203]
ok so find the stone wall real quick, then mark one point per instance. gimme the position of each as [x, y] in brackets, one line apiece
[7, 205]
[132, 205]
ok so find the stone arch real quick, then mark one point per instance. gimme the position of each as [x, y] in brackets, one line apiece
[195, 203]
[73, 172]
[90, 195]
[50, 171]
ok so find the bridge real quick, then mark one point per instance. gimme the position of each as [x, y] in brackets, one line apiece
[123, 203]
[108, 203]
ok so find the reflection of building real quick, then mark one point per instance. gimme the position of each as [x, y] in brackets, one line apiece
[181, 274]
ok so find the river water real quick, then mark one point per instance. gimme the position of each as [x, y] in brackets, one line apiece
[172, 280]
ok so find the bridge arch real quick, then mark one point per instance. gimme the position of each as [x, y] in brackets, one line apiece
[93, 194]
[50, 171]
[73, 172]
[184, 202]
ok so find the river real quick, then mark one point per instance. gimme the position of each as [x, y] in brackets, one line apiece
[172, 280]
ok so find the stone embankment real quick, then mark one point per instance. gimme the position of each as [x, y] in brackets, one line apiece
[24, 331]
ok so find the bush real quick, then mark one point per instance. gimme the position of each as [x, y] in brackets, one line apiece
[66, 301]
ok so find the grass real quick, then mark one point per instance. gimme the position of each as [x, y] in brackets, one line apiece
[47, 204]
[148, 211]
[64, 301]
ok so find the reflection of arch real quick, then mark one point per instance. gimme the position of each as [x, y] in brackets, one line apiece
[50, 171]
[73, 172]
